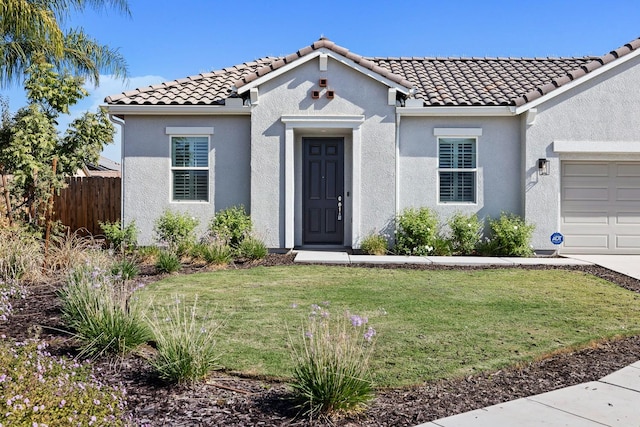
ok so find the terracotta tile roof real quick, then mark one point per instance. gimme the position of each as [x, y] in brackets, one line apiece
[202, 89]
[438, 81]
[324, 43]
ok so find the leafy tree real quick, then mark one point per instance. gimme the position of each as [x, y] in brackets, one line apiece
[29, 142]
[30, 32]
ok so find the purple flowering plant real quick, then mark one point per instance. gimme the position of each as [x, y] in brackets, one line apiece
[37, 388]
[331, 362]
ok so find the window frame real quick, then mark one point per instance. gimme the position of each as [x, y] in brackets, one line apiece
[174, 169]
[471, 134]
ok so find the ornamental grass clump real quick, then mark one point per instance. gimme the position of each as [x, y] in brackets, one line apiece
[37, 389]
[375, 244]
[186, 342]
[21, 254]
[331, 357]
[252, 248]
[213, 250]
[103, 313]
[167, 262]
[69, 250]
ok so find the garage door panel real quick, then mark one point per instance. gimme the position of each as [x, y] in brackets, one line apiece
[627, 218]
[627, 242]
[628, 194]
[628, 170]
[587, 193]
[588, 241]
[584, 217]
[586, 169]
[600, 205]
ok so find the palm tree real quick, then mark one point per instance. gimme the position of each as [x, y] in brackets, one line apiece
[30, 32]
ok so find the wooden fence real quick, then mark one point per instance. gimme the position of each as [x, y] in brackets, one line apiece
[87, 201]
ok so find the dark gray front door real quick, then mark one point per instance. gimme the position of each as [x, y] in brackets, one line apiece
[323, 190]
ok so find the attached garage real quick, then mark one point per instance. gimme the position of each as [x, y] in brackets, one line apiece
[600, 207]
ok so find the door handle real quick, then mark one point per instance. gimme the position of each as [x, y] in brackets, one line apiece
[339, 208]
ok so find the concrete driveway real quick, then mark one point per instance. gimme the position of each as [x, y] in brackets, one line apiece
[625, 264]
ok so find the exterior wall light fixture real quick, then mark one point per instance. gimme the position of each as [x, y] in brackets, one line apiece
[543, 166]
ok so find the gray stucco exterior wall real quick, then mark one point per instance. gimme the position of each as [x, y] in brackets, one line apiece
[599, 112]
[147, 169]
[498, 165]
[355, 95]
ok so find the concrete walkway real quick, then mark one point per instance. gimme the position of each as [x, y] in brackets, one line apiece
[328, 257]
[612, 401]
[628, 265]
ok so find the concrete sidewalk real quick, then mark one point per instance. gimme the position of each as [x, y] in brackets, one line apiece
[612, 401]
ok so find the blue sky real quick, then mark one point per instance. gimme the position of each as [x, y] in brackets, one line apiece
[169, 39]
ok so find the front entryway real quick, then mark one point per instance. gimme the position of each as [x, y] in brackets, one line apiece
[323, 191]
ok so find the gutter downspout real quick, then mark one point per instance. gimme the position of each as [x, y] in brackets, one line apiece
[120, 122]
[398, 119]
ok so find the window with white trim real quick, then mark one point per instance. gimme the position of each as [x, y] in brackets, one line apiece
[457, 170]
[190, 168]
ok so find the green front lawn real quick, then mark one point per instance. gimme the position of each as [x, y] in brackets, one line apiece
[430, 324]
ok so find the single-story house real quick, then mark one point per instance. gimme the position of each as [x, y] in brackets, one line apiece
[324, 147]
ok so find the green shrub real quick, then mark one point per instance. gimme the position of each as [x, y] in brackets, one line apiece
[21, 254]
[176, 229]
[510, 236]
[375, 244]
[232, 225]
[215, 252]
[252, 248]
[185, 342]
[417, 231]
[121, 237]
[466, 233]
[125, 269]
[39, 389]
[168, 262]
[102, 313]
[331, 373]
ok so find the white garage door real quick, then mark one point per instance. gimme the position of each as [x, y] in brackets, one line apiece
[600, 207]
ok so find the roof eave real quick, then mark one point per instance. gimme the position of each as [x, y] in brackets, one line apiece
[470, 111]
[315, 54]
[577, 82]
[121, 110]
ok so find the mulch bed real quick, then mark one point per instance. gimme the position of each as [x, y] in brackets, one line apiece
[231, 400]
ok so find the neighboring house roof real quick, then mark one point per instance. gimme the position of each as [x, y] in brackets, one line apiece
[104, 168]
[437, 81]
